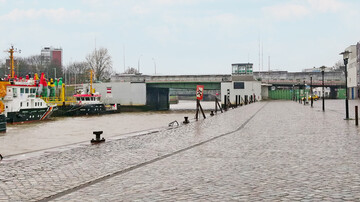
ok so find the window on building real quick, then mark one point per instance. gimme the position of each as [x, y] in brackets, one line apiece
[239, 85]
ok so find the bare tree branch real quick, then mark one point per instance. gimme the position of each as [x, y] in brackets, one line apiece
[101, 63]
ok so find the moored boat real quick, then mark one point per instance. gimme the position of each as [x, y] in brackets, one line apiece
[21, 104]
[20, 101]
[85, 102]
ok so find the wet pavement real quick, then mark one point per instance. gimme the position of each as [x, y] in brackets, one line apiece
[277, 150]
[29, 137]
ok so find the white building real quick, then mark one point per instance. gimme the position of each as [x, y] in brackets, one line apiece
[353, 82]
[242, 86]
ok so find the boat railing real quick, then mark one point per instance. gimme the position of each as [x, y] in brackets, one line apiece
[58, 101]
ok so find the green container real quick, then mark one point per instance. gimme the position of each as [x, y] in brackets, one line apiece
[280, 94]
[288, 94]
[341, 94]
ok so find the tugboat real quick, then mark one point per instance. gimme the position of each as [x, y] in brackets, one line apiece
[19, 99]
[84, 102]
[21, 103]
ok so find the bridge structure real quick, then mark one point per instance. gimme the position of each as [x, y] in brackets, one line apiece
[213, 82]
[210, 82]
[290, 79]
[154, 90]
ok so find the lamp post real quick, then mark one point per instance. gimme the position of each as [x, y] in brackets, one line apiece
[304, 93]
[139, 64]
[346, 58]
[299, 92]
[311, 91]
[293, 94]
[323, 93]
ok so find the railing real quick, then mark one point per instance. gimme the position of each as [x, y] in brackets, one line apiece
[53, 100]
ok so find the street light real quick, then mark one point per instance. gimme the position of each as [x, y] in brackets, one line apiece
[323, 93]
[346, 58]
[154, 65]
[304, 93]
[139, 64]
[311, 91]
[299, 92]
[293, 93]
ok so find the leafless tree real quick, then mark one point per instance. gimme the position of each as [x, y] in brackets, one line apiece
[81, 71]
[338, 64]
[100, 62]
[131, 70]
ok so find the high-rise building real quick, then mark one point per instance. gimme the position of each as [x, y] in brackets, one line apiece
[50, 54]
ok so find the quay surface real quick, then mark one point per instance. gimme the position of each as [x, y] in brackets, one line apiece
[278, 150]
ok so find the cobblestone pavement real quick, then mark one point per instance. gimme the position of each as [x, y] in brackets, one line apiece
[263, 151]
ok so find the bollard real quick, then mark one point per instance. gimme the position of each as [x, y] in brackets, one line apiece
[186, 121]
[212, 113]
[356, 116]
[97, 137]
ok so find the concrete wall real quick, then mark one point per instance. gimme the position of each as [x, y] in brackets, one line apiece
[124, 93]
[250, 88]
[352, 73]
[352, 67]
[265, 92]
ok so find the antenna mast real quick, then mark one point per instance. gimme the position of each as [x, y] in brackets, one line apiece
[12, 65]
[91, 81]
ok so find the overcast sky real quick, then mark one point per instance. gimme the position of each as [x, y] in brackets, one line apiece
[185, 36]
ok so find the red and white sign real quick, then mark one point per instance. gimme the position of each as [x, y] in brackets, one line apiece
[199, 92]
[108, 90]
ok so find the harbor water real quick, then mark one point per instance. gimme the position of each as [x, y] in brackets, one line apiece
[59, 131]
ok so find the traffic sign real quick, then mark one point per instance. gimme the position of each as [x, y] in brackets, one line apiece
[199, 92]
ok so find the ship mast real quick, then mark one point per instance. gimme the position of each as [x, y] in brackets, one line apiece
[12, 66]
[91, 78]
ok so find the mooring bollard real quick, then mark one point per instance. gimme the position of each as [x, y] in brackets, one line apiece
[356, 116]
[212, 113]
[97, 137]
[186, 121]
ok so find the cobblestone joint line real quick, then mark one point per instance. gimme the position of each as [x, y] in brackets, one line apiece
[89, 183]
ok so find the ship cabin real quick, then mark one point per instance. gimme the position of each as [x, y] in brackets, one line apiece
[88, 98]
[22, 96]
